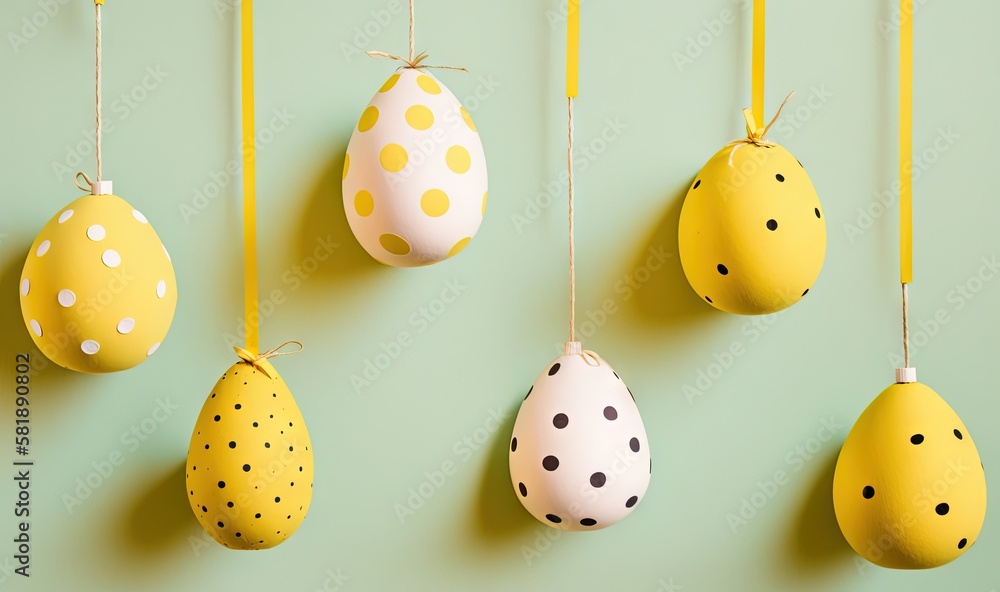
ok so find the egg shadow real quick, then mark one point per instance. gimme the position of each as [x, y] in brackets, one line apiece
[816, 541]
[499, 516]
[666, 298]
[159, 517]
[324, 220]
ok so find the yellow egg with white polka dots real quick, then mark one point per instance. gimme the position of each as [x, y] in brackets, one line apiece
[909, 490]
[98, 290]
[415, 173]
[752, 237]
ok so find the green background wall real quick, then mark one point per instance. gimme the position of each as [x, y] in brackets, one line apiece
[712, 519]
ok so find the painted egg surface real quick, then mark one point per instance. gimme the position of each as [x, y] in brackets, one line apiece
[415, 173]
[250, 463]
[579, 457]
[98, 290]
[752, 236]
[909, 489]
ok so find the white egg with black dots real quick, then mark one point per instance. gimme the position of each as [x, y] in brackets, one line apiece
[579, 456]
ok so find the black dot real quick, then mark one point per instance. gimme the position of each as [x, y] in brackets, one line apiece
[942, 509]
[255, 424]
[634, 444]
[696, 184]
[958, 434]
[213, 394]
[238, 406]
[610, 413]
[522, 489]
[290, 449]
[806, 292]
[553, 518]
[588, 522]
[708, 299]
[218, 417]
[780, 178]
[513, 444]
[772, 224]
[222, 484]
[206, 446]
[300, 469]
[289, 424]
[204, 509]
[962, 543]
[917, 439]
[238, 535]
[230, 504]
[277, 500]
[529, 392]
[868, 492]
[554, 369]
[221, 525]
[232, 444]
[631, 501]
[246, 468]
[817, 212]
[267, 444]
[550, 463]
[598, 479]
[257, 515]
[722, 269]
[560, 420]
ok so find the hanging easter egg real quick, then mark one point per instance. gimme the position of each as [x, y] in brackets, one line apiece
[909, 489]
[579, 458]
[415, 174]
[98, 290]
[250, 462]
[752, 237]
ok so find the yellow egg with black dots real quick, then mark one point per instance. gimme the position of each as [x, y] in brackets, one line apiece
[909, 489]
[250, 463]
[752, 237]
[98, 290]
[414, 182]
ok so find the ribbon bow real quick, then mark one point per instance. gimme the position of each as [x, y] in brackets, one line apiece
[755, 135]
[254, 360]
[415, 63]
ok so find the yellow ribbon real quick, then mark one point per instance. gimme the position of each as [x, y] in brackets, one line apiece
[572, 48]
[757, 59]
[249, 180]
[255, 360]
[906, 142]
[756, 135]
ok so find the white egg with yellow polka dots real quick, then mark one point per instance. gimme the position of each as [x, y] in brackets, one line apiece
[415, 173]
[98, 290]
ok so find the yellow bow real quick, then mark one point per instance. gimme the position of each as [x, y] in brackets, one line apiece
[254, 360]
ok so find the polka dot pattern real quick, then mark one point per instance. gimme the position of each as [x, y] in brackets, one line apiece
[393, 158]
[368, 119]
[395, 244]
[434, 203]
[268, 488]
[364, 203]
[419, 117]
[458, 159]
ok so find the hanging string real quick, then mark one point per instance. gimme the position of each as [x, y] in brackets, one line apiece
[249, 180]
[905, 156]
[572, 88]
[411, 31]
[99, 130]
[414, 61]
[757, 61]
[256, 359]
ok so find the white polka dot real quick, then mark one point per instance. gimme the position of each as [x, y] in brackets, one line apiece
[166, 253]
[25, 286]
[152, 350]
[161, 289]
[111, 258]
[96, 232]
[65, 216]
[35, 327]
[126, 325]
[138, 216]
[43, 248]
[66, 298]
[90, 347]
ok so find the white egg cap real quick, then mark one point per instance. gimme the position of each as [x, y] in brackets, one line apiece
[100, 188]
[906, 375]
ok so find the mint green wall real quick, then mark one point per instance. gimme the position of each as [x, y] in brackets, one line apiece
[777, 412]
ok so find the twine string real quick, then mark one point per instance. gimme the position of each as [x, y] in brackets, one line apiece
[274, 352]
[572, 245]
[411, 31]
[756, 135]
[415, 60]
[906, 326]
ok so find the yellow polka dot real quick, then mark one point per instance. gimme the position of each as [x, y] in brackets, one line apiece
[394, 243]
[484, 202]
[368, 119]
[347, 164]
[458, 159]
[419, 117]
[468, 119]
[434, 202]
[457, 247]
[389, 83]
[393, 158]
[364, 203]
[428, 84]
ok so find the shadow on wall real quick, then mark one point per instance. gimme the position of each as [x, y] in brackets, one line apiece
[324, 224]
[816, 545]
[159, 518]
[663, 296]
[499, 517]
